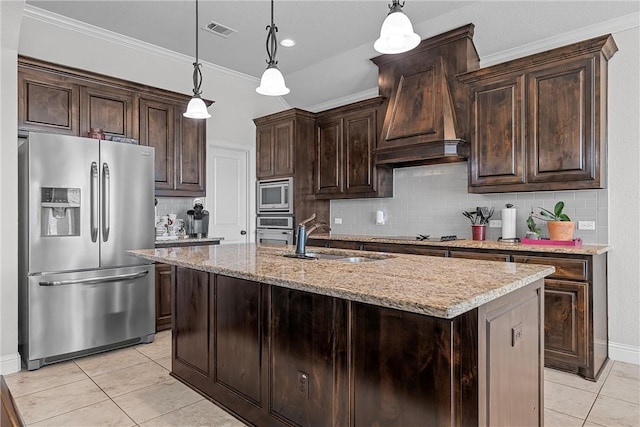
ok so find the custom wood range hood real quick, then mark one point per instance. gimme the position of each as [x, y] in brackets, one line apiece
[427, 108]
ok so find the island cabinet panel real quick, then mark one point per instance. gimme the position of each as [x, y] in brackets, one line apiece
[308, 358]
[409, 369]
[276, 356]
[47, 104]
[238, 336]
[511, 361]
[540, 122]
[163, 296]
[192, 317]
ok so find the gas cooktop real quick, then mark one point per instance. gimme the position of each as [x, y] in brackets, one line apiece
[441, 239]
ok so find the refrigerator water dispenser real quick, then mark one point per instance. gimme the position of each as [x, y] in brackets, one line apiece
[60, 211]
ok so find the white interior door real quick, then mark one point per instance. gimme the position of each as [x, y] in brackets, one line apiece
[227, 198]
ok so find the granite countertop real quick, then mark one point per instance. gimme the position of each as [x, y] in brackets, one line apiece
[187, 241]
[441, 287]
[470, 244]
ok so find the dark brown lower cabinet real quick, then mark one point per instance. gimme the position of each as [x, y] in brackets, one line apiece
[576, 334]
[275, 356]
[163, 297]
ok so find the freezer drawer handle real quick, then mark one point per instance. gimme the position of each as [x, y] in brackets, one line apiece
[106, 185]
[94, 202]
[93, 280]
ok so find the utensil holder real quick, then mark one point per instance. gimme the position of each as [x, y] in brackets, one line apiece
[478, 231]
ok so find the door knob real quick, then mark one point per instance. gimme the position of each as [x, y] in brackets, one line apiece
[243, 232]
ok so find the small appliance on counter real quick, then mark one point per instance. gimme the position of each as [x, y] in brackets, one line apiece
[197, 224]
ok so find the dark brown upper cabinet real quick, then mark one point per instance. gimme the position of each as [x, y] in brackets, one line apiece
[345, 141]
[109, 109]
[540, 122]
[426, 117]
[58, 99]
[47, 103]
[275, 149]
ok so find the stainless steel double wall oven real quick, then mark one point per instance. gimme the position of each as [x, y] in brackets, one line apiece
[275, 220]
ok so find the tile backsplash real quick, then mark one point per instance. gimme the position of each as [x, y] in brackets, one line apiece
[175, 205]
[430, 200]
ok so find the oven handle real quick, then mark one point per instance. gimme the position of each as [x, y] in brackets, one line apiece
[94, 280]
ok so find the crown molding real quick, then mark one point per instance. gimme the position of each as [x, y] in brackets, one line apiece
[348, 99]
[614, 25]
[125, 41]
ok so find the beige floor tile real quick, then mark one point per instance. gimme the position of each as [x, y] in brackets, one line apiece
[613, 412]
[567, 400]
[622, 388]
[627, 370]
[165, 362]
[100, 414]
[576, 381]
[110, 361]
[159, 348]
[132, 378]
[27, 382]
[156, 400]
[202, 413]
[58, 400]
[556, 419]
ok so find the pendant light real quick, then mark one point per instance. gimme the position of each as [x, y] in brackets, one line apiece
[272, 81]
[196, 109]
[396, 34]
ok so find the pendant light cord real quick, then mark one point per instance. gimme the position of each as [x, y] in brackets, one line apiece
[272, 43]
[197, 73]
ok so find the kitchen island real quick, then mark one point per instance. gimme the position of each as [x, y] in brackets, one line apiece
[391, 340]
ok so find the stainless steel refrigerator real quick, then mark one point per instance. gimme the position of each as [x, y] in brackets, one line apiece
[82, 204]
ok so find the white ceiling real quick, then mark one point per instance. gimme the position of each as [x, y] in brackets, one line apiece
[334, 38]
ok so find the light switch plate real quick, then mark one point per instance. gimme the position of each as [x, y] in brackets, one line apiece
[495, 223]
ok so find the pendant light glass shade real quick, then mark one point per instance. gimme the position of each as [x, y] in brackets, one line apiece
[272, 83]
[196, 109]
[396, 34]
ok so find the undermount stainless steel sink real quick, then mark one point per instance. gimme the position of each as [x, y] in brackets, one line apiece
[335, 257]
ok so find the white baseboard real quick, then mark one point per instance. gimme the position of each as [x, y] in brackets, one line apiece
[10, 364]
[624, 353]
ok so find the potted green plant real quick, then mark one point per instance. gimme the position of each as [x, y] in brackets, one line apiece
[534, 231]
[560, 225]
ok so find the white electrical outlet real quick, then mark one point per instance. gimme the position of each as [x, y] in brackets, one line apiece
[337, 220]
[495, 223]
[586, 225]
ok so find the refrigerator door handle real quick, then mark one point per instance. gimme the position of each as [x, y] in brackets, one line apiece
[106, 199]
[94, 280]
[94, 202]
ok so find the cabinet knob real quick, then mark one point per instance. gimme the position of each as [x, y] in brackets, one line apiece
[243, 232]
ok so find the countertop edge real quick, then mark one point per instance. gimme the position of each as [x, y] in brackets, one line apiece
[471, 244]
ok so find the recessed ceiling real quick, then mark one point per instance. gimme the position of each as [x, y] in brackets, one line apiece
[333, 38]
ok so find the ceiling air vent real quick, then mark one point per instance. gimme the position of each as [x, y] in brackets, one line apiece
[220, 29]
